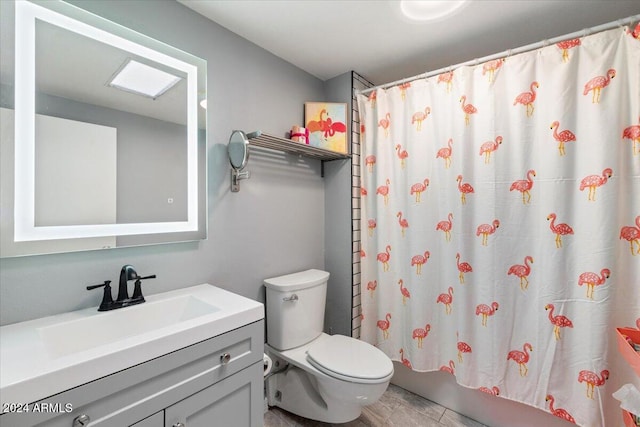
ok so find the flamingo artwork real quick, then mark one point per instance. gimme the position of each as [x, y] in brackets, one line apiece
[528, 98]
[404, 291]
[418, 188]
[446, 299]
[467, 109]
[363, 254]
[565, 45]
[384, 325]
[463, 347]
[371, 287]
[559, 230]
[491, 67]
[383, 190]
[404, 361]
[494, 391]
[371, 226]
[384, 257]
[445, 153]
[562, 137]
[450, 369]
[402, 155]
[557, 321]
[524, 185]
[489, 147]
[593, 380]
[632, 235]
[420, 116]
[447, 79]
[594, 181]
[373, 96]
[486, 311]
[446, 226]
[593, 279]
[463, 267]
[370, 161]
[521, 358]
[559, 412]
[419, 261]
[404, 224]
[420, 334]
[464, 189]
[403, 89]
[598, 83]
[385, 123]
[486, 229]
[363, 191]
[522, 271]
[633, 133]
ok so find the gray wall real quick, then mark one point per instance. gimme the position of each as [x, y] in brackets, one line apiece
[273, 226]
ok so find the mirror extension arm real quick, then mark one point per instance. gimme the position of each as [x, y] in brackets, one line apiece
[238, 150]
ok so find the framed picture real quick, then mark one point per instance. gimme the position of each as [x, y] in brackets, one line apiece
[327, 125]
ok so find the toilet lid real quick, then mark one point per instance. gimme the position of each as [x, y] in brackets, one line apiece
[348, 358]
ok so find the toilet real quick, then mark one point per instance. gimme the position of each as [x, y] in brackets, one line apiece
[322, 377]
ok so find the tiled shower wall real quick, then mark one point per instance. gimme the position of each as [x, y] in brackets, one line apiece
[357, 83]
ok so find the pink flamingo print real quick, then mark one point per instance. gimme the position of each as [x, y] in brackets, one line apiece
[494, 391]
[632, 235]
[521, 358]
[419, 117]
[486, 311]
[420, 334]
[559, 230]
[562, 137]
[558, 321]
[450, 369]
[419, 261]
[384, 325]
[404, 224]
[463, 267]
[418, 188]
[370, 161]
[522, 271]
[560, 413]
[404, 291]
[489, 147]
[385, 123]
[373, 97]
[446, 226]
[485, 230]
[594, 181]
[596, 85]
[363, 191]
[362, 253]
[371, 225]
[528, 98]
[633, 133]
[491, 67]
[565, 46]
[524, 185]
[404, 361]
[593, 380]
[445, 153]
[384, 257]
[383, 190]
[467, 109]
[464, 189]
[362, 129]
[446, 78]
[463, 347]
[403, 89]
[402, 155]
[371, 287]
[593, 279]
[446, 299]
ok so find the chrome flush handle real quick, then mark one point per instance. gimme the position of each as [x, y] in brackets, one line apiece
[293, 297]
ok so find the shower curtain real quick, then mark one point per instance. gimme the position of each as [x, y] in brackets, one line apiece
[501, 223]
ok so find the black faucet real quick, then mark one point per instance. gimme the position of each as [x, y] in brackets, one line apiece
[126, 273]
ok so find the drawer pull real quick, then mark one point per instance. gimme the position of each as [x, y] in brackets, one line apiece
[81, 420]
[293, 297]
[179, 425]
[225, 358]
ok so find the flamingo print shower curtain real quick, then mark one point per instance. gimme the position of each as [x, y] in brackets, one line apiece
[501, 223]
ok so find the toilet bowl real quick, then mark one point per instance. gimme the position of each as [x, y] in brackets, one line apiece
[322, 377]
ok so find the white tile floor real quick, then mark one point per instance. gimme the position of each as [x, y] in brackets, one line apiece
[397, 407]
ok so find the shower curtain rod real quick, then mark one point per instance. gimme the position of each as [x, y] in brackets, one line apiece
[509, 52]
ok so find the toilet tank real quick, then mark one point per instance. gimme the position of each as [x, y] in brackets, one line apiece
[295, 308]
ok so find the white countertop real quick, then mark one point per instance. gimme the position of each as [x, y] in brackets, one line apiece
[30, 369]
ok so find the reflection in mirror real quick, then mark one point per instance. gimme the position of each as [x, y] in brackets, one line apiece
[106, 130]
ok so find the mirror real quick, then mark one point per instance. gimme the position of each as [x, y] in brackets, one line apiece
[238, 150]
[103, 134]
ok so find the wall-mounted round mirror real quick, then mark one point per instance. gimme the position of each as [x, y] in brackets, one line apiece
[238, 149]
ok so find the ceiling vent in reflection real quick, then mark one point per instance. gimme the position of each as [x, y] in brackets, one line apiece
[142, 79]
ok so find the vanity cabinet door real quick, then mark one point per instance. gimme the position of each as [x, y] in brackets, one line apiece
[235, 401]
[155, 420]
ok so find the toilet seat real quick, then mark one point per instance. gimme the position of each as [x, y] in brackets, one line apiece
[350, 360]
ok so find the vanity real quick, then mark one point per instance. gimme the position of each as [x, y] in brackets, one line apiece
[189, 357]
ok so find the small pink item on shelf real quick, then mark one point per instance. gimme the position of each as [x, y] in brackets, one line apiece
[300, 134]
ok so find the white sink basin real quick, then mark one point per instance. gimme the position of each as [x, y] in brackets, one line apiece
[42, 357]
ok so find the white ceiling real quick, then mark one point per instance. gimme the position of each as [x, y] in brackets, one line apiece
[329, 37]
